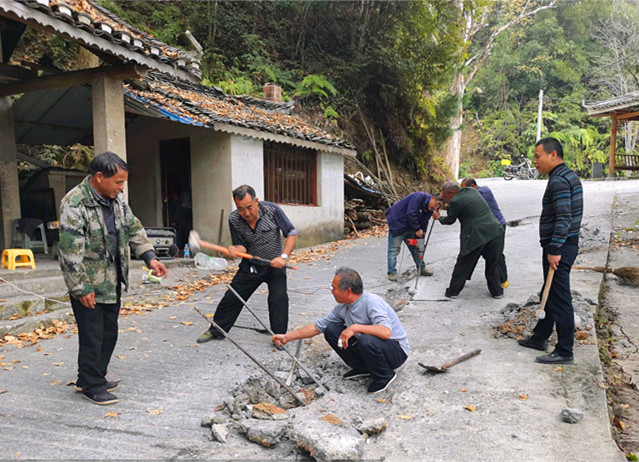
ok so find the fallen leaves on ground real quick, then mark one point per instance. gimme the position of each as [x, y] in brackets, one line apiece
[558, 369]
[58, 364]
[155, 411]
[2, 391]
[619, 424]
[382, 400]
[406, 417]
[35, 336]
[55, 382]
[524, 397]
[121, 356]
[111, 414]
[471, 408]
[184, 291]
[186, 323]
[373, 231]
[464, 390]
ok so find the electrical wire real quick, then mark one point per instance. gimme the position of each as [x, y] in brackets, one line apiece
[33, 293]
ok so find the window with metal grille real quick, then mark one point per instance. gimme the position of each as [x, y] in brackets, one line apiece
[290, 174]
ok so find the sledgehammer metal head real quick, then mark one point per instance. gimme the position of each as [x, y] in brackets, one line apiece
[195, 244]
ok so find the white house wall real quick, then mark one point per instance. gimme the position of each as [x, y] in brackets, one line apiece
[326, 221]
[221, 162]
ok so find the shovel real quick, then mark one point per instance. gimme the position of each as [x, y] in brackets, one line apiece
[444, 367]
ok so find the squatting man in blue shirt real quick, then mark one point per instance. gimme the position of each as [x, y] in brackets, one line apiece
[362, 329]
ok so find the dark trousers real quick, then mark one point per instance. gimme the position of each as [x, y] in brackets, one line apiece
[367, 352]
[501, 265]
[246, 283]
[559, 310]
[98, 334]
[491, 252]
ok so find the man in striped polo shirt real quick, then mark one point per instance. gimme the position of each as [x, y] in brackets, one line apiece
[255, 228]
[562, 208]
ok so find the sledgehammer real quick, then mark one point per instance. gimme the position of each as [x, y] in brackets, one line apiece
[196, 244]
[541, 312]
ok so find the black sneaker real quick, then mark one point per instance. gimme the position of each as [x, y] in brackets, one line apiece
[449, 295]
[110, 386]
[530, 342]
[355, 374]
[554, 358]
[100, 397]
[208, 336]
[378, 387]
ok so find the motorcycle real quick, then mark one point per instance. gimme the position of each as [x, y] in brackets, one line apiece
[523, 170]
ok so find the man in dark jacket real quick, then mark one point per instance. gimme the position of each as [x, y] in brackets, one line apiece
[408, 219]
[562, 209]
[480, 235]
[488, 196]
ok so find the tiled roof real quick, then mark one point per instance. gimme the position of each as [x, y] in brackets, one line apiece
[626, 103]
[197, 104]
[87, 15]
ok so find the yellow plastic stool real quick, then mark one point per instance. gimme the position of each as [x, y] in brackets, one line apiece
[24, 256]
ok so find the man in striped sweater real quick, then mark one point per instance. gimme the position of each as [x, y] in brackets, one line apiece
[562, 208]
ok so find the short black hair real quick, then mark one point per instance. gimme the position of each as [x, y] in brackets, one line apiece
[240, 192]
[350, 279]
[551, 144]
[107, 163]
[469, 182]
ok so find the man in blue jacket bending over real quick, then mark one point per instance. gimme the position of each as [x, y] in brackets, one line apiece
[408, 219]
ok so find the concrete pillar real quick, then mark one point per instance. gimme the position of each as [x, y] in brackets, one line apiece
[108, 115]
[109, 132]
[57, 182]
[9, 187]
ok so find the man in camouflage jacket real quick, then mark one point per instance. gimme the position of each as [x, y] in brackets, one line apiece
[97, 228]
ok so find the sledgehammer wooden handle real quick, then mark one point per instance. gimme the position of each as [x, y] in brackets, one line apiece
[461, 358]
[248, 256]
[544, 296]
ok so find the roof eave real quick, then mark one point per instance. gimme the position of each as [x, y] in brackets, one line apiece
[39, 20]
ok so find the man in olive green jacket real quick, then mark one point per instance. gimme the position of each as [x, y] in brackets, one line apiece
[97, 227]
[480, 235]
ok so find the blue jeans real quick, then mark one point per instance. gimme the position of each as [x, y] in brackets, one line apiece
[395, 244]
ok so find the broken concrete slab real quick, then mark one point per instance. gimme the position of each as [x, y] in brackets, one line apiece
[325, 441]
[219, 433]
[267, 411]
[372, 426]
[265, 433]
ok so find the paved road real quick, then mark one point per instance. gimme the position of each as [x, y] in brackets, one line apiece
[162, 367]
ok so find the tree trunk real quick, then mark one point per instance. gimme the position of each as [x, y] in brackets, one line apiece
[453, 144]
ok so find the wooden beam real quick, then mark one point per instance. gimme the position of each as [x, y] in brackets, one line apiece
[61, 128]
[628, 115]
[70, 79]
[613, 146]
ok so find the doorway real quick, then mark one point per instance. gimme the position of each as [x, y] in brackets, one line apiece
[177, 209]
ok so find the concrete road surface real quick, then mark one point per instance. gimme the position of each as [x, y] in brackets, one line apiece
[163, 370]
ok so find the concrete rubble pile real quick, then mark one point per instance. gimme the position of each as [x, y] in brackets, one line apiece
[518, 319]
[266, 414]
